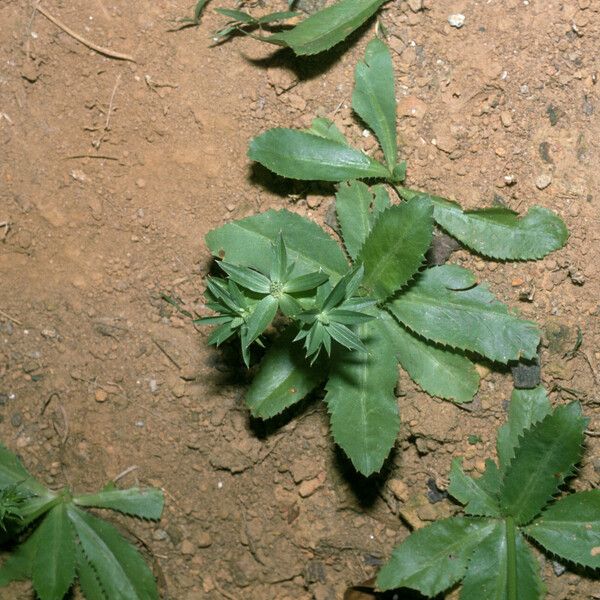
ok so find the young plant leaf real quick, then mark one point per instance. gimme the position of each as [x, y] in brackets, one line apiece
[145, 504]
[54, 563]
[284, 378]
[326, 128]
[247, 243]
[543, 459]
[468, 319]
[300, 155]
[248, 278]
[327, 27]
[353, 203]
[526, 408]
[436, 370]
[19, 565]
[88, 580]
[488, 571]
[236, 15]
[435, 557]
[499, 232]
[396, 247]
[360, 399]
[260, 318]
[478, 500]
[121, 570]
[374, 99]
[570, 528]
[13, 472]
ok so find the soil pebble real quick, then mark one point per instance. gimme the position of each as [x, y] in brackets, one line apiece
[543, 181]
[526, 375]
[456, 20]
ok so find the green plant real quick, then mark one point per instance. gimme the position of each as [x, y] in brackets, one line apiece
[59, 541]
[245, 23]
[194, 20]
[317, 33]
[512, 502]
[386, 307]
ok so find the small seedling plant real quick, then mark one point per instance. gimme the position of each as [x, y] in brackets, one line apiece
[355, 311]
[58, 541]
[317, 33]
[512, 503]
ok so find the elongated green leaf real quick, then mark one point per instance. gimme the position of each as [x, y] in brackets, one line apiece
[478, 500]
[546, 455]
[570, 528]
[361, 402]
[435, 557]
[438, 371]
[526, 408]
[395, 248]
[54, 564]
[237, 15]
[19, 565]
[304, 283]
[299, 155]
[248, 278]
[326, 128]
[284, 378]
[499, 232]
[381, 203]
[352, 204]
[248, 243]
[146, 504]
[327, 27]
[121, 570]
[374, 99]
[88, 580]
[13, 472]
[260, 318]
[487, 573]
[468, 319]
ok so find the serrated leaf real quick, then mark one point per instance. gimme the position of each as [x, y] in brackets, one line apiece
[499, 232]
[284, 378]
[381, 202]
[352, 204]
[487, 572]
[122, 572]
[374, 99]
[526, 408]
[546, 455]
[436, 370]
[247, 242]
[19, 565]
[327, 27]
[88, 580]
[262, 314]
[146, 503]
[361, 402]
[570, 528]
[395, 248]
[435, 557]
[299, 155]
[469, 492]
[54, 564]
[468, 319]
[13, 472]
[326, 128]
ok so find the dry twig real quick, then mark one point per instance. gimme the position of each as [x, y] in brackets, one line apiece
[82, 40]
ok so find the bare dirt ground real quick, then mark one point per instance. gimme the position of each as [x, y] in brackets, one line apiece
[112, 172]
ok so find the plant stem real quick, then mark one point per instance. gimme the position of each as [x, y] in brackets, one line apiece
[511, 558]
[405, 193]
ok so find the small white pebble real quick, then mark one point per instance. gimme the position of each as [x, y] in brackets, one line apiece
[139, 423]
[456, 20]
[153, 385]
[220, 485]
